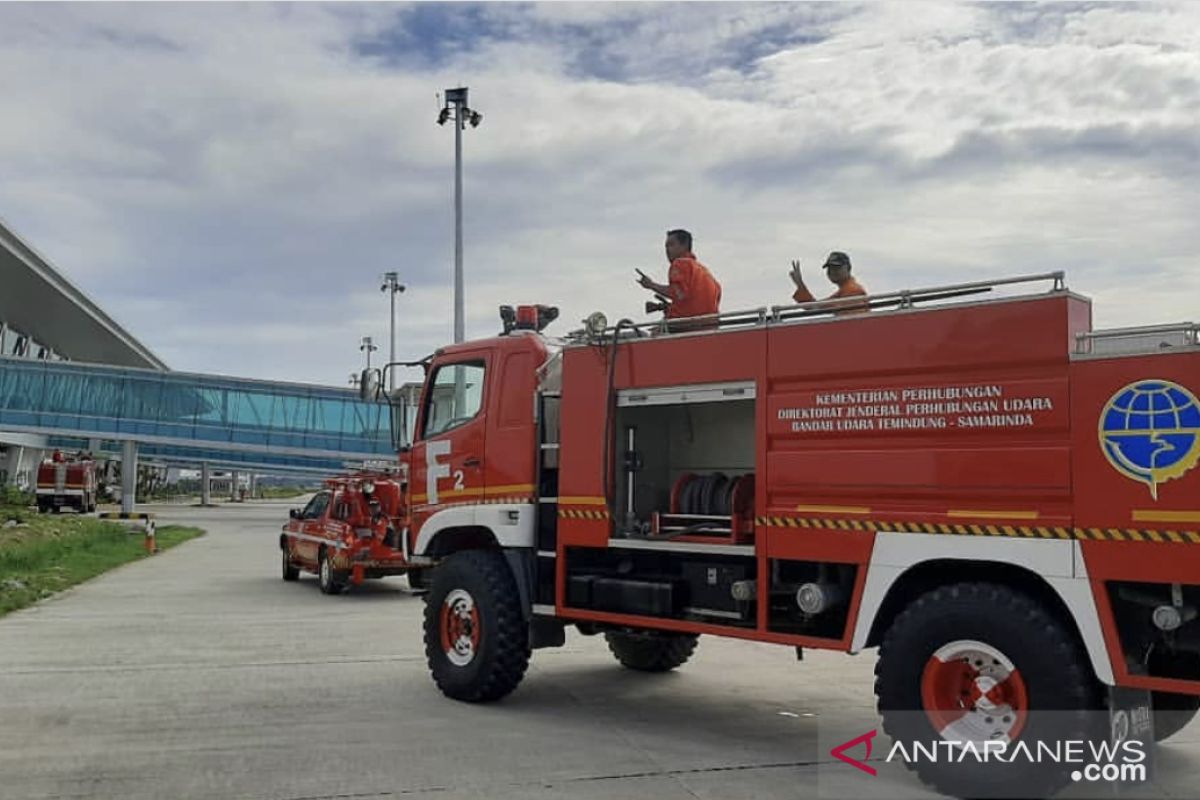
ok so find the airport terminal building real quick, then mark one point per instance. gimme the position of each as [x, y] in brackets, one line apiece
[45, 316]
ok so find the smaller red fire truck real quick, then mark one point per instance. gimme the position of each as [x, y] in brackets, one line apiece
[347, 533]
[67, 481]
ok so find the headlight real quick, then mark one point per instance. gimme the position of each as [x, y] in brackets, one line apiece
[368, 487]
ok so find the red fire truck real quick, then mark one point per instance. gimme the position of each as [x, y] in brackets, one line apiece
[67, 482]
[347, 533]
[1001, 499]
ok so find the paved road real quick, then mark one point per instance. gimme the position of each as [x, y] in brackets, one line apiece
[200, 674]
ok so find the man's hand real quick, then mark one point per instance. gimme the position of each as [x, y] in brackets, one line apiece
[797, 278]
[644, 280]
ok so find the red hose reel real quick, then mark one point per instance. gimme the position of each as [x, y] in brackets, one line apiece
[727, 501]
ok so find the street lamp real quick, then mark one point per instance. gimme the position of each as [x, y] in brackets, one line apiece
[456, 109]
[355, 378]
[368, 345]
[392, 285]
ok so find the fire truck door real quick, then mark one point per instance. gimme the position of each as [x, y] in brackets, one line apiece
[310, 524]
[448, 456]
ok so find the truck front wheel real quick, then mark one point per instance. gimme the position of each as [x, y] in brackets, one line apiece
[978, 663]
[290, 571]
[476, 639]
[651, 652]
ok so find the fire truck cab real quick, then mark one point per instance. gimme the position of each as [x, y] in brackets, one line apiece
[1001, 499]
[346, 533]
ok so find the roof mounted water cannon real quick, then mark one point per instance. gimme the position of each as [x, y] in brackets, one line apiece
[527, 318]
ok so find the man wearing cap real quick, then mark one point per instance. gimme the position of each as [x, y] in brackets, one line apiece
[837, 269]
[690, 287]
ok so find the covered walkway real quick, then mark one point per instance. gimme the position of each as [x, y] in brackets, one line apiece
[193, 417]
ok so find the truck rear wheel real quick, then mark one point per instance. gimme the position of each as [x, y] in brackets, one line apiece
[980, 662]
[651, 652]
[476, 639]
[327, 577]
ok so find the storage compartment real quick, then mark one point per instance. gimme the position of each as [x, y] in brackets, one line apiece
[711, 589]
[632, 596]
[579, 591]
[716, 589]
[688, 455]
[827, 585]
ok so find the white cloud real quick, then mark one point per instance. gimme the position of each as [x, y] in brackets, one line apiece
[229, 180]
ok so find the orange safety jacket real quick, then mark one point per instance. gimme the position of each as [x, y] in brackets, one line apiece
[851, 288]
[694, 291]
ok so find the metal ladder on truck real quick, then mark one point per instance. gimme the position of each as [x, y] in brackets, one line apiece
[547, 407]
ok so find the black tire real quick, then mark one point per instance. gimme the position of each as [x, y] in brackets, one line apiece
[651, 652]
[1172, 712]
[1046, 660]
[476, 639]
[290, 571]
[327, 577]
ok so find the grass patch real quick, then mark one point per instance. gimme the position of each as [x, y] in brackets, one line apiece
[46, 554]
[282, 492]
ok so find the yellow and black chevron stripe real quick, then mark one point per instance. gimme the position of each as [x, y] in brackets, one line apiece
[956, 529]
[124, 515]
[582, 513]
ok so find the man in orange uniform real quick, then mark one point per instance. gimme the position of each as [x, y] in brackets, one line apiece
[690, 287]
[837, 269]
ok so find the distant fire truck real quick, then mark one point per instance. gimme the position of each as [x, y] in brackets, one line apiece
[347, 533]
[67, 482]
[1002, 500]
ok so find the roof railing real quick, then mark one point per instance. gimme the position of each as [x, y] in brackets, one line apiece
[905, 298]
[1141, 339]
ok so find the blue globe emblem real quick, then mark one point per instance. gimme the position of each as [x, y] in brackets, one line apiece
[1150, 432]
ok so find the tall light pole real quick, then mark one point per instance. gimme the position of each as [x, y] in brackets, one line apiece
[456, 109]
[392, 285]
[368, 344]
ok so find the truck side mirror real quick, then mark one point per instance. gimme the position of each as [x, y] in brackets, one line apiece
[294, 513]
[368, 385]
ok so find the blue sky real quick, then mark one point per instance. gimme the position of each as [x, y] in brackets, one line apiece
[230, 180]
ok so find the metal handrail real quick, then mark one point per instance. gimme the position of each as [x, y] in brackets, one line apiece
[1190, 331]
[1174, 327]
[909, 296]
[904, 298]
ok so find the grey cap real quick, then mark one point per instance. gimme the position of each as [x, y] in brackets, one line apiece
[837, 259]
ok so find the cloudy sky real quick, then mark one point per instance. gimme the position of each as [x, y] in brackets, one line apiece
[229, 181]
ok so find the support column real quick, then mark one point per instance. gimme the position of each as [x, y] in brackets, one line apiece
[16, 454]
[128, 476]
[205, 485]
[233, 485]
[253, 486]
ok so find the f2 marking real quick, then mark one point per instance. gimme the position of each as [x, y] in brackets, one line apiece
[435, 469]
